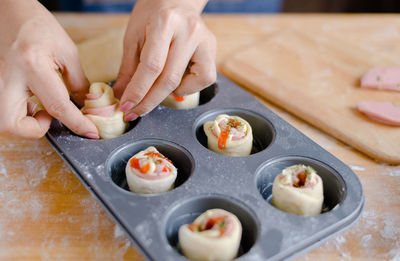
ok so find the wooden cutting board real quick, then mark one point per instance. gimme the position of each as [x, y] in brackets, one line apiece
[316, 77]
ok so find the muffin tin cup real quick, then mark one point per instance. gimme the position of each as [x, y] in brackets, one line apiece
[116, 163]
[187, 211]
[207, 180]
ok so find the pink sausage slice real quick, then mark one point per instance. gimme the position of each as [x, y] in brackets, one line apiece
[31, 107]
[106, 111]
[384, 78]
[383, 112]
[93, 96]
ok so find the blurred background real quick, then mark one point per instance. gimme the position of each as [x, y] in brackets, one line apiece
[238, 6]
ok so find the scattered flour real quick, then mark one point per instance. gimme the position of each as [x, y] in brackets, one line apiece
[3, 170]
[394, 173]
[338, 244]
[391, 230]
[394, 254]
[355, 167]
[340, 239]
[100, 171]
[118, 232]
[365, 240]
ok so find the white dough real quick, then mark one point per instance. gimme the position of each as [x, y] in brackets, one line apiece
[190, 101]
[108, 126]
[101, 56]
[304, 200]
[209, 244]
[138, 183]
[241, 147]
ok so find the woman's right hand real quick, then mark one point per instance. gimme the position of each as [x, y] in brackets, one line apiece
[34, 48]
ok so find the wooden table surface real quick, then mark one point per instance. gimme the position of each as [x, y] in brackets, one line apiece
[47, 214]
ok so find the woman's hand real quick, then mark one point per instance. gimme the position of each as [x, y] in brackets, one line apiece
[167, 48]
[33, 49]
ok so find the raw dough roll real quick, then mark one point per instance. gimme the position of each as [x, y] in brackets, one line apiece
[149, 172]
[182, 102]
[215, 235]
[102, 108]
[298, 190]
[229, 135]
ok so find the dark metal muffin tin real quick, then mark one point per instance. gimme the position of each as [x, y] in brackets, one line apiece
[241, 185]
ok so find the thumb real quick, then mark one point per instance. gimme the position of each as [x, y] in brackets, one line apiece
[50, 90]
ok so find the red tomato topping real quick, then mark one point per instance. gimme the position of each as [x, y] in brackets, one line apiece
[144, 169]
[302, 177]
[157, 155]
[223, 137]
[211, 222]
[178, 98]
[134, 163]
[193, 226]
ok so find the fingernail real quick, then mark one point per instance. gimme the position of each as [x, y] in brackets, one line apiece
[130, 117]
[126, 106]
[92, 136]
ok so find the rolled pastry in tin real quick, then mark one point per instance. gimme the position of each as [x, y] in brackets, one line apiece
[102, 108]
[229, 135]
[298, 190]
[149, 172]
[182, 102]
[215, 235]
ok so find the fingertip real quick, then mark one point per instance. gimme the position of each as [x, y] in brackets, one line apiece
[89, 127]
[117, 89]
[131, 116]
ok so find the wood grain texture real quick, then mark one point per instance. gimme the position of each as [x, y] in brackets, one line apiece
[47, 214]
[315, 75]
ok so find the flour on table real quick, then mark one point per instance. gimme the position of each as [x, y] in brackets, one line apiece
[394, 173]
[365, 240]
[3, 170]
[118, 232]
[355, 167]
[391, 230]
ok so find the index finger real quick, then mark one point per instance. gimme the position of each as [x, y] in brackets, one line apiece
[51, 91]
[152, 60]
